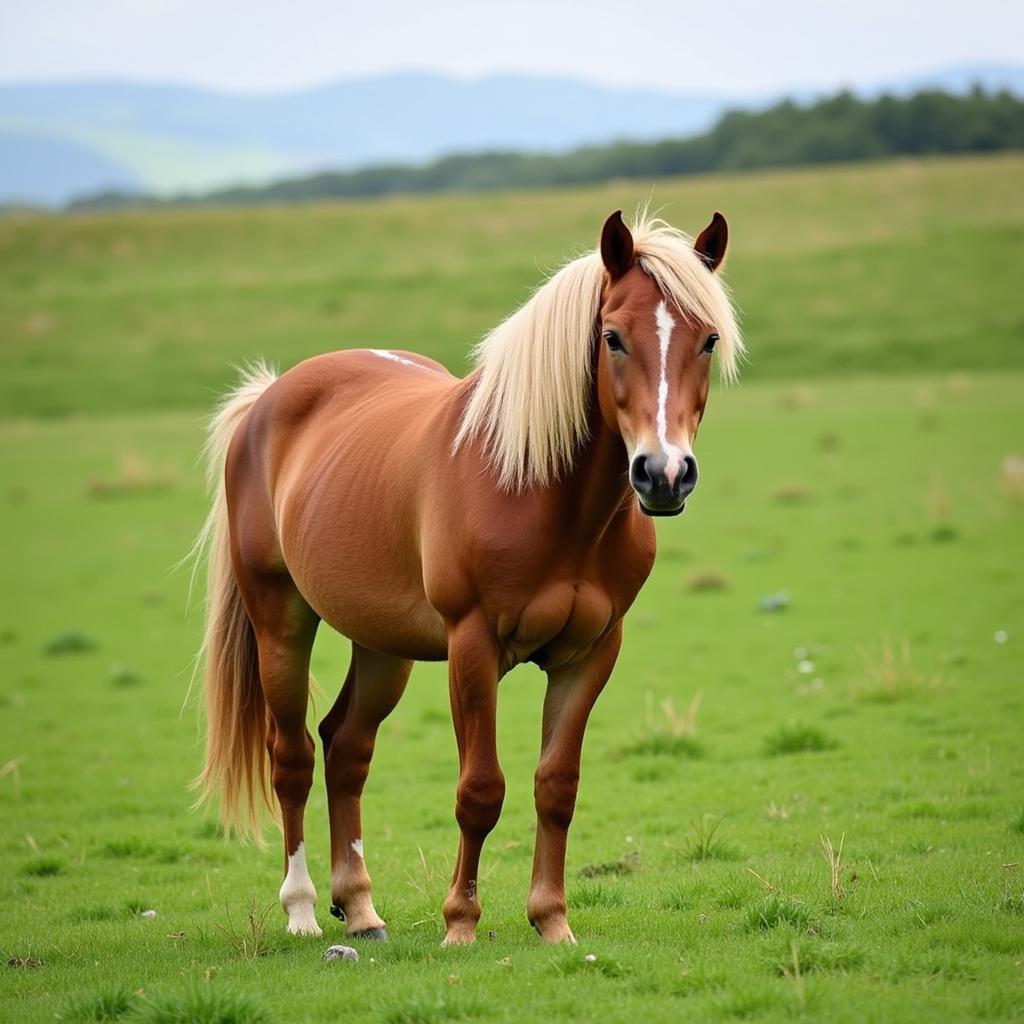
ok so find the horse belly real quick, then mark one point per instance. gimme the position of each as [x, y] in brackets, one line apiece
[350, 547]
[413, 631]
[381, 609]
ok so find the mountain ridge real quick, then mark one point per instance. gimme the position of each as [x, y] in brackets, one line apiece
[89, 136]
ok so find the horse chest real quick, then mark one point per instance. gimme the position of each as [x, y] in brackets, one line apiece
[560, 624]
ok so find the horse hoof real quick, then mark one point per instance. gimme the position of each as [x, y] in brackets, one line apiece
[373, 934]
[337, 912]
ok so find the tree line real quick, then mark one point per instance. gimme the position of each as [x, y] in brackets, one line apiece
[839, 128]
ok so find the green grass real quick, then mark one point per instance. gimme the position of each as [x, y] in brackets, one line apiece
[880, 268]
[798, 739]
[907, 536]
[194, 1004]
[777, 912]
[101, 1008]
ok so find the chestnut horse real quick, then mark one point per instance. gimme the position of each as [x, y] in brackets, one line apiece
[492, 520]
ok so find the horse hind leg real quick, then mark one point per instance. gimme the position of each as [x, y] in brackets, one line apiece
[285, 627]
[373, 686]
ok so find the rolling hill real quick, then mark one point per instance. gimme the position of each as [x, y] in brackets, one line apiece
[63, 140]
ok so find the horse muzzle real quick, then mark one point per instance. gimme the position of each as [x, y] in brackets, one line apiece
[660, 492]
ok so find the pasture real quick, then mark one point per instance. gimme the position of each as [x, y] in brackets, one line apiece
[828, 651]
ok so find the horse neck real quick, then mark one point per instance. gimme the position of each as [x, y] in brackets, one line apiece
[597, 486]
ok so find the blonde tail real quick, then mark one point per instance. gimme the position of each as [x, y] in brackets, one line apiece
[236, 761]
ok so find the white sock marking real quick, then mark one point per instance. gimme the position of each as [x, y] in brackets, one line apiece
[673, 454]
[385, 354]
[298, 895]
[357, 846]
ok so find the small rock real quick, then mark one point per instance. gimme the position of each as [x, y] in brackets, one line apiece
[774, 602]
[340, 953]
[148, 914]
[590, 958]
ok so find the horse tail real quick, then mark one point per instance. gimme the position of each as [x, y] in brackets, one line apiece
[236, 762]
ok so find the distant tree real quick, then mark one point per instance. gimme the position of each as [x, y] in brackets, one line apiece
[836, 128]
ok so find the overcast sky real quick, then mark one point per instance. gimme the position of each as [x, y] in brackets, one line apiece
[724, 46]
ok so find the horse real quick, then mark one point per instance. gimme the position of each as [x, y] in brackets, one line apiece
[501, 518]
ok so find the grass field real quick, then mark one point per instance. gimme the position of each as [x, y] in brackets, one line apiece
[843, 595]
[872, 268]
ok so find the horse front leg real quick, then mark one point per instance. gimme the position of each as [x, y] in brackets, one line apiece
[473, 686]
[571, 695]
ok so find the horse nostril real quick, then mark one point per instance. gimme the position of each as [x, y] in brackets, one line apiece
[643, 473]
[640, 475]
[687, 479]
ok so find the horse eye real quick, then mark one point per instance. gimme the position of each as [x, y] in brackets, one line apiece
[614, 341]
[709, 345]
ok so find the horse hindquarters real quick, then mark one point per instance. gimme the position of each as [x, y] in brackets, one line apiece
[259, 634]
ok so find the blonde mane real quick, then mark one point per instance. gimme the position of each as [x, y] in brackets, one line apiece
[530, 405]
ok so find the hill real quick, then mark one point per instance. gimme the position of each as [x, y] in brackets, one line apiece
[872, 269]
[171, 138]
[166, 139]
[834, 129]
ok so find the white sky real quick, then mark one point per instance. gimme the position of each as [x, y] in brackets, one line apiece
[720, 46]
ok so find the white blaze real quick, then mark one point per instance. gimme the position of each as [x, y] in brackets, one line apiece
[357, 846]
[674, 455]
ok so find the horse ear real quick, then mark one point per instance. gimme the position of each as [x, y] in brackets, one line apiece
[712, 242]
[616, 246]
